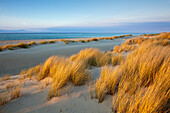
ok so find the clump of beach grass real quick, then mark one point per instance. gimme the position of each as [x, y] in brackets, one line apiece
[124, 48]
[22, 45]
[66, 41]
[3, 99]
[51, 41]
[128, 35]
[1, 49]
[31, 43]
[83, 41]
[6, 77]
[43, 42]
[138, 40]
[107, 83]
[141, 82]
[164, 35]
[132, 44]
[92, 57]
[122, 36]
[8, 46]
[73, 41]
[88, 40]
[63, 71]
[19, 45]
[94, 39]
[31, 71]
[144, 84]
[23, 72]
[9, 85]
[15, 92]
[95, 57]
[117, 59]
[115, 37]
[45, 71]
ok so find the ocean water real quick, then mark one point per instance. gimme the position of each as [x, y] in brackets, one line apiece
[26, 36]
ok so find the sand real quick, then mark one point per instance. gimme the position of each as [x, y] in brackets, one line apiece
[34, 95]
[34, 99]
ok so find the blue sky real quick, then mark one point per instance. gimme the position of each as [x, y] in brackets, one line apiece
[85, 15]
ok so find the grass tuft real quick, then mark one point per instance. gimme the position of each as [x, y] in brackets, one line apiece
[9, 85]
[124, 48]
[22, 45]
[33, 71]
[15, 92]
[66, 42]
[31, 43]
[8, 46]
[164, 35]
[43, 42]
[141, 82]
[6, 77]
[63, 71]
[1, 49]
[51, 41]
[117, 59]
[144, 84]
[83, 41]
[3, 99]
[90, 57]
[107, 83]
[94, 39]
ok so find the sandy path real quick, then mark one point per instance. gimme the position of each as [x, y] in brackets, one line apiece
[12, 62]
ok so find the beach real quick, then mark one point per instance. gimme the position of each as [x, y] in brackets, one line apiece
[13, 61]
[81, 77]
[84, 56]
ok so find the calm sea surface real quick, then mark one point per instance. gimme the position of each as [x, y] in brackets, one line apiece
[25, 36]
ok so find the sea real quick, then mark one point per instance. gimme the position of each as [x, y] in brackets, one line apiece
[26, 36]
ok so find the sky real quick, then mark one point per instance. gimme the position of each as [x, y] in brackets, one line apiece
[85, 15]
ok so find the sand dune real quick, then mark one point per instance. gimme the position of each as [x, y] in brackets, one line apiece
[12, 62]
[101, 93]
[34, 99]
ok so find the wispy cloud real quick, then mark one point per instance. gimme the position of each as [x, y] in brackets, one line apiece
[8, 22]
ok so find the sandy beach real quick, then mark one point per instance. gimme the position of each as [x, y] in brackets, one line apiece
[88, 79]
[12, 62]
[34, 98]
[84, 56]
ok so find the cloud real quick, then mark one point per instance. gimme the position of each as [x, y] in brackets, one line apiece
[14, 23]
[11, 22]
